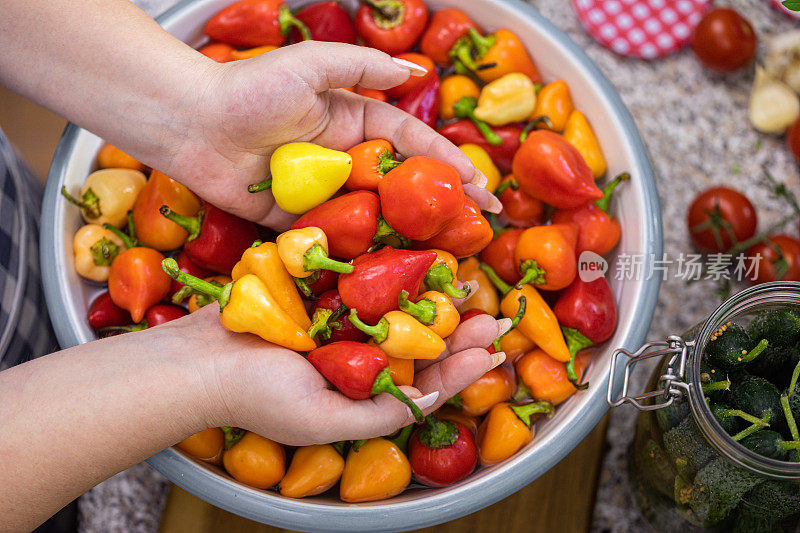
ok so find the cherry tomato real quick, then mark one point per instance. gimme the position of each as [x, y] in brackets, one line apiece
[729, 210]
[793, 139]
[724, 41]
[769, 264]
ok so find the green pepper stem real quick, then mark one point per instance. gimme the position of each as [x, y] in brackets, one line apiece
[604, 202]
[523, 392]
[505, 185]
[386, 162]
[795, 376]
[424, 310]
[576, 341]
[789, 445]
[286, 20]
[482, 44]
[456, 401]
[438, 433]
[501, 285]
[532, 124]
[753, 428]
[260, 186]
[465, 108]
[744, 416]
[221, 294]
[89, 202]
[461, 55]
[232, 435]
[440, 278]
[136, 327]
[130, 243]
[400, 439]
[531, 273]
[319, 324]
[316, 258]
[383, 383]
[131, 229]
[387, 9]
[304, 285]
[716, 385]
[787, 412]
[387, 235]
[191, 224]
[755, 352]
[103, 252]
[523, 305]
[525, 411]
[357, 444]
[379, 332]
[182, 293]
[338, 446]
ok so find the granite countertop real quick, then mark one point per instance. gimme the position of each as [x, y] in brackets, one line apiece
[695, 126]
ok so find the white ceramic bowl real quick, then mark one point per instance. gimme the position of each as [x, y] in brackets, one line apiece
[636, 206]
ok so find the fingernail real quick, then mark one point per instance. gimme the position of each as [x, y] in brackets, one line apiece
[479, 180]
[415, 69]
[426, 401]
[503, 325]
[497, 359]
[495, 206]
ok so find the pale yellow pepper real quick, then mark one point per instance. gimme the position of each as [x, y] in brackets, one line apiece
[108, 195]
[95, 248]
[579, 133]
[305, 250]
[483, 162]
[508, 99]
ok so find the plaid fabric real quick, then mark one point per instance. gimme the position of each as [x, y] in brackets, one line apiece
[25, 330]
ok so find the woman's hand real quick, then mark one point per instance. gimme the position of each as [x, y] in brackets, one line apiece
[249, 108]
[278, 394]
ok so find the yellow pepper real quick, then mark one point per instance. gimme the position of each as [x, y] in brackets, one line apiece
[247, 306]
[434, 309]
[579, 133]
[305, 250]
[483, 162]
[237, 55]
[265, 262]
[485, 298]
[108, 195]
[400, 335]
[376, 470]
[95, 248]
[555, 103]
[452, 89]
[441, 275]
[304, 175]
[511, 98]
[313, 470]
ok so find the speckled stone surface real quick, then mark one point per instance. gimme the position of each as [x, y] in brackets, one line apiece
[695, 126]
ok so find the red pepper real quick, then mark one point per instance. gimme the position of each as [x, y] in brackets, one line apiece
[552, 170]
[341, 329]
[421, 196]
[471, 313]
[349, 221]
[447, 26]
[163, 313]
[251, 23]
[326, 21]
[399, 91]
[392, 26]
[464, 131]
[499, 255]
[520, 210]
[186, 264]
[442, 452]
[105, 313]
[359, 371]
[378, 278]
[217, 239]
[372, 93]
[423, 101]
[466, 235]
[598, 232]
[589, 308]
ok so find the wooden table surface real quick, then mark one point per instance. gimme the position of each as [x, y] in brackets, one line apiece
[561, 500]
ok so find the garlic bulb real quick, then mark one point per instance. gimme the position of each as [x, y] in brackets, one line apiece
[773, 105]
[782, 60]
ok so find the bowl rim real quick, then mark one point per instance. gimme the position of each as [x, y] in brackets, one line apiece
[441, 505]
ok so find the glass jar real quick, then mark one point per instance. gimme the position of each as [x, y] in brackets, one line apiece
[686, 472]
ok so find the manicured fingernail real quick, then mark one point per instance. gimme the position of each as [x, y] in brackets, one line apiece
[415, 69]
[479, 180]
[497, 359]
[426, 401]
[494, 205]
[503, 325]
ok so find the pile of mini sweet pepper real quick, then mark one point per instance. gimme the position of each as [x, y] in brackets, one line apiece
[373, 274]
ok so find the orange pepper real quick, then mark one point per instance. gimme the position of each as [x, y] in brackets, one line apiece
[485, 298]
[547, 378]
[237, 55]
[579, 133]
[506, 50]
[555, 103]
[136, 281]
[256, 461]
[515, 344]
[313, 470]
[451, 90]
[219, 52]
[206, 445]
[452, 413]
[402, 370]
[495, 386]
[112, 157]
[152, 228]
[372, 93]
[376, 471]
[506, 429]
[545, 256]
[371, 160]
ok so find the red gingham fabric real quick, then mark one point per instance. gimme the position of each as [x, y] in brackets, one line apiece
[644, 29]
